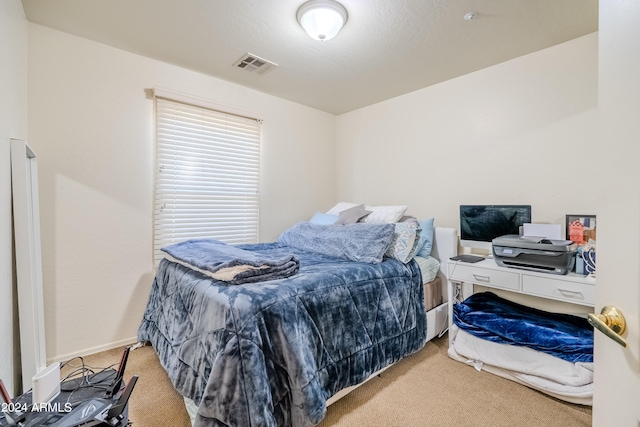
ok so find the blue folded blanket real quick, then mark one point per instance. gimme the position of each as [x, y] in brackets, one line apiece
[490, 317]
[230, 263]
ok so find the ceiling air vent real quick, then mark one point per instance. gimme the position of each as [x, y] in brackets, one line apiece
[255, 64]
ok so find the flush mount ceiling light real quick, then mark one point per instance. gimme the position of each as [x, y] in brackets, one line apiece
[470, 16]
[322, 19]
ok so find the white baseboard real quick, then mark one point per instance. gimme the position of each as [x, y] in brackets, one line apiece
[92, 350]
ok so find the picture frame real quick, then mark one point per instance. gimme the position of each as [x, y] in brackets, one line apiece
[581, 229]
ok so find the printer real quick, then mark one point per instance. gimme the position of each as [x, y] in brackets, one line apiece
[534, 253]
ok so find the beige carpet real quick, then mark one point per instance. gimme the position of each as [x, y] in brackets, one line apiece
[426, 389]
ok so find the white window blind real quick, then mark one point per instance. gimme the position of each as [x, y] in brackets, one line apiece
[207, 175]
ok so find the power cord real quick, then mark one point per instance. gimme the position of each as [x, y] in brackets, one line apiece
[83, 377]
[444, 327]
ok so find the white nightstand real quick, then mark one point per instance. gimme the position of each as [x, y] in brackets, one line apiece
[570, 288]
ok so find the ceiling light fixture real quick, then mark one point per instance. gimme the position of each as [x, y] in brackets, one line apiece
[322, 19]
[470, 16]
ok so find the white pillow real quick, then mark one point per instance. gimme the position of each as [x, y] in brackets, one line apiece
[384, 214]
[379, 214]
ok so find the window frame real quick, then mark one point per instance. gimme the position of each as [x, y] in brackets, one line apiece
[207, 172]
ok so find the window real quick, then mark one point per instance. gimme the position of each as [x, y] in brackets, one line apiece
[207, 175]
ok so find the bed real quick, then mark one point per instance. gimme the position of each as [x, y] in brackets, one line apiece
[276, 352]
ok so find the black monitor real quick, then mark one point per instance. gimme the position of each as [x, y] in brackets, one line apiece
[480, 224]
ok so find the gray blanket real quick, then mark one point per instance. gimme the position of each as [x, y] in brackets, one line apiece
[234, 265]
[357, 242]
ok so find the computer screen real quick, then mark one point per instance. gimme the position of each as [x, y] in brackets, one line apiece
[480, 224]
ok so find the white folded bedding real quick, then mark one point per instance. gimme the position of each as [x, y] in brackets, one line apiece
[571, 382]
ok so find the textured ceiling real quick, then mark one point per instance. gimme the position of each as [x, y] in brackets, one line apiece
[387, 48]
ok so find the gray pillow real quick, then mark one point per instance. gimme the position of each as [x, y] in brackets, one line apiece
[352, 215]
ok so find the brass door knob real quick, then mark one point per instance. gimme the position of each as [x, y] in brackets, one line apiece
[610, 322]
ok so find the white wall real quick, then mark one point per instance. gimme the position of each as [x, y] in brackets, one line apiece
[521, 132]
[13, 124]
[91, 125]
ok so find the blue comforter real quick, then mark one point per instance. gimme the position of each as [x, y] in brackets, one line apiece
[272, 353]
[488, 316]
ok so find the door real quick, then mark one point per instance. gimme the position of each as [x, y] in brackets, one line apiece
[615, 179]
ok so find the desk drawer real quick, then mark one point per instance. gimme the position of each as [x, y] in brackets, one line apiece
[558, 289]
[485, 277]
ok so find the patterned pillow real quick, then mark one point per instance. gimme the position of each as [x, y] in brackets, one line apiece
[404, 244]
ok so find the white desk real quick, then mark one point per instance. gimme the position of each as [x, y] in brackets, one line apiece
[570, 288]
